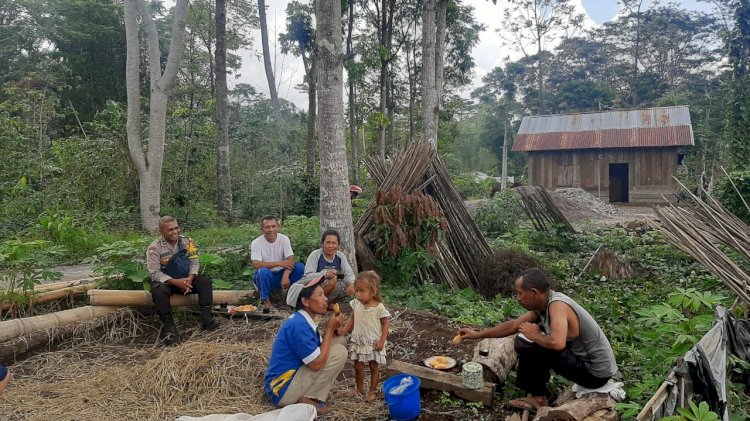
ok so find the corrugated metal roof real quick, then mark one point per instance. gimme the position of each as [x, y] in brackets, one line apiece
[651, 127]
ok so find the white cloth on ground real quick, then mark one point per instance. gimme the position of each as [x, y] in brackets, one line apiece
[295, 412]
[613, 388]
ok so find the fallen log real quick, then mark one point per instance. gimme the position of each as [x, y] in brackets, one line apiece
[439, 380]
[55, 294]
[603, 415]
[10, 329]
[104, 297]
[577, 409]
[23, 344]
[500, 359]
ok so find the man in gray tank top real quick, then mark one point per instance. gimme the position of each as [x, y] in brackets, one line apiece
[555, 334]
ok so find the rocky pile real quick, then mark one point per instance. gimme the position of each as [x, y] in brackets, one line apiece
[586, 200]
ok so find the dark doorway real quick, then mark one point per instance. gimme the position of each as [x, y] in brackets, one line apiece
[618, 183]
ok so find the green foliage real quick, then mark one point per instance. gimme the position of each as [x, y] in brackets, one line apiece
[730, 198]
[24, 264]
[304, 233]
[701, 412]
[501, 215]
[405, 267]
[471, 188]
[464, 306]
[122, 263]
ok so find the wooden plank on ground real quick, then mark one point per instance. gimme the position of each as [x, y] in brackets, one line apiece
[439, 380]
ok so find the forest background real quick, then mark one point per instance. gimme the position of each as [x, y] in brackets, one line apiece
[63, 113]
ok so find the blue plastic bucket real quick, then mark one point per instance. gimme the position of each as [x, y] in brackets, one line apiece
[404, 406]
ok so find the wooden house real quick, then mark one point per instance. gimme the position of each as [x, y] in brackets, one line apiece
[618, 156]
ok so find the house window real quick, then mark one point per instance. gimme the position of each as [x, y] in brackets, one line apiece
[680, 158]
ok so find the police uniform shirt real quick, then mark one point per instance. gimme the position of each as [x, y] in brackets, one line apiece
[160, 251]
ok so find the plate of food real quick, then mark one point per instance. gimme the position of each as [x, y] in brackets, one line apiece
[246, 309]
[440, 362]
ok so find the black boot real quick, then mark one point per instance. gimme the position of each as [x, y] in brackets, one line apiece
[171, 335]
[207, 319]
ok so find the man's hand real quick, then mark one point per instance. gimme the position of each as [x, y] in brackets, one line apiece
[379, 345]
[469, 333]
[184, 284]
[287, 264]
[530, 330]
[285, 280]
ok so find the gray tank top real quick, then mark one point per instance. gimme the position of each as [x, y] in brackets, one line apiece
[591, 345]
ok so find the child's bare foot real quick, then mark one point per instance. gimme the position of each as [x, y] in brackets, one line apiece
[372, 395]
[355, 393]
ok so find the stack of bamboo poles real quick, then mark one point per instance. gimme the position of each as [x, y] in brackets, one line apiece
[699, 229]
[542, 211]
[56, 291]
[418, 168]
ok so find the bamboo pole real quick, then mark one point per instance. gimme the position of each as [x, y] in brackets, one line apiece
[65, 284]
[10, 329]
[54, 294]
[103, 297]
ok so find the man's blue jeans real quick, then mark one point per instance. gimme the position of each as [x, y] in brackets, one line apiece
[265, 280]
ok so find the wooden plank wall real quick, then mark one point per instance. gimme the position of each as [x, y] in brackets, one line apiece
[650, 170]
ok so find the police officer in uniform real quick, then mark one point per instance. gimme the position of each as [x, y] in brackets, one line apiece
[172, 262]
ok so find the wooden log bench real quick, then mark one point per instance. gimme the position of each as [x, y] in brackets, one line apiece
[440, 380]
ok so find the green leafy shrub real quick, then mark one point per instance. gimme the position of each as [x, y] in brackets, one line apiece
[304, 233]
[407, 225]
[123, 264]
[728, 196]
[470, 188]
[501, 215]
[24, 264]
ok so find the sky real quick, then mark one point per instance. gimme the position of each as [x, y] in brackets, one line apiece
[488, 54]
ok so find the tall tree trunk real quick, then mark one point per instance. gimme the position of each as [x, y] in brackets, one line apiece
[389, 106]
[350, 79]
[540, 77]
[335, 205]
[312, 86]
[440, 19]
[411, 69]
[223, 178]
[267, 59]
[429, 93]
[382, 87]
[149, 165]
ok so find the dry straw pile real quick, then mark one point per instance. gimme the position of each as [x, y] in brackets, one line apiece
[105, 372]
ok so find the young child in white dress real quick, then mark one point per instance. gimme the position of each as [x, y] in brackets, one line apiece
[369, 327]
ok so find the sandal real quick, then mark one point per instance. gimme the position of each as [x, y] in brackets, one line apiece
[321, 407]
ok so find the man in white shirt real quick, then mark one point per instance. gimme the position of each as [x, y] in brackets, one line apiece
[273, 260]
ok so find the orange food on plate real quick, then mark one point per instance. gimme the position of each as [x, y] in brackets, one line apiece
[246, 307]
[336, 309]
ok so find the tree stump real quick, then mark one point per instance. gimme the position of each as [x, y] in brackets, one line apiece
[501, 358]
